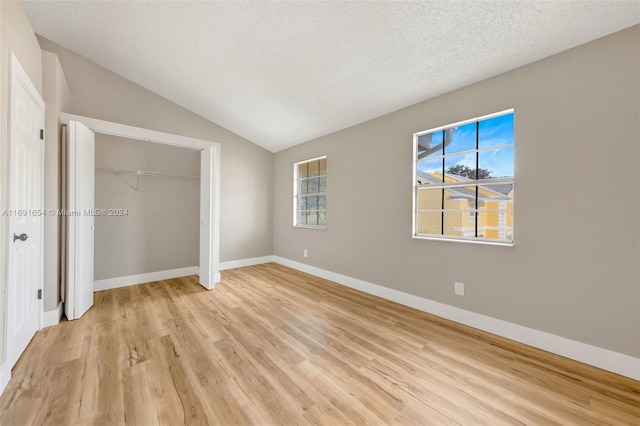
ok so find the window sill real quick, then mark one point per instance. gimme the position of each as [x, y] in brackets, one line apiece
[322, 228]
[466, 241]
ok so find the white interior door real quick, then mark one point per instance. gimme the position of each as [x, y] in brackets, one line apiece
[25, 220]
[80, 223]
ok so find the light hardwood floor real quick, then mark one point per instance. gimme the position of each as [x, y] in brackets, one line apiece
[273, 346]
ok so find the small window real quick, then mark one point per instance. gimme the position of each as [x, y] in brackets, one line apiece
[464, 179]
[310, 193]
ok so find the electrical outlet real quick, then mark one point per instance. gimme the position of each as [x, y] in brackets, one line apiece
[305, 253]
[458, 288]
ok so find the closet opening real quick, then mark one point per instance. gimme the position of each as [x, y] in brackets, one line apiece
[155, 208]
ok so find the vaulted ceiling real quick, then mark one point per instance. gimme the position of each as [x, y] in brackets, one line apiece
[283, 73]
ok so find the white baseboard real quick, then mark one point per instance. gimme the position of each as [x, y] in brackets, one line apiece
[245, 262]
[5, 376]
[615, 362]
[52, 317]
[110, 283]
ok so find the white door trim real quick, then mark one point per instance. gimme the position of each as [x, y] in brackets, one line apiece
[18, 76]
[131, 132]
[214, 219]
[211, 198]
[206, 206]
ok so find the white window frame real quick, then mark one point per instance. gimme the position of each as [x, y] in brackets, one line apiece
[444, 185]
[296, 180]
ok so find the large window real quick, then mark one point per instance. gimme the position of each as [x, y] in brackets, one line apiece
[310, 193]
[463, 177]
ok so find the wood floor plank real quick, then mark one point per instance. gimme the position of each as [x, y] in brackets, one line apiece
[274, 346]
[165, 395]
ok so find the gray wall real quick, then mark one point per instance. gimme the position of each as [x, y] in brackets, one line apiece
[161, 230]
[16, 35]
[246, 169]
[573, 271]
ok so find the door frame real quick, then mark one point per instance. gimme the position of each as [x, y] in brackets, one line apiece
[18, 76]
[212, 175]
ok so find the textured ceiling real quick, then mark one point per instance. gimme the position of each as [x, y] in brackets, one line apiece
[282, 73]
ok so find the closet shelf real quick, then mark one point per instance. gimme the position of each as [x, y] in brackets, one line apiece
[145, 173]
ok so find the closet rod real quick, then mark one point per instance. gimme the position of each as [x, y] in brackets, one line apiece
[145, 173]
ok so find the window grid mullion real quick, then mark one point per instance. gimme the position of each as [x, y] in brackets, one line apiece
[457, 184]
[466, 210]
[311, 177]
[471, 151]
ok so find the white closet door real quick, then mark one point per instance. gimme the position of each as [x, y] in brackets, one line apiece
[80, 221]
[206, 211]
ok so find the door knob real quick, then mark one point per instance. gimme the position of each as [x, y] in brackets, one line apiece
[21, 237]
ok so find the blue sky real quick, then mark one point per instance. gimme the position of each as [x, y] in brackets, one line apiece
[493, 132]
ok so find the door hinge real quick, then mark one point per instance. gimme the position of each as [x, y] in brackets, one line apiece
[42, 134]
[39, 294]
